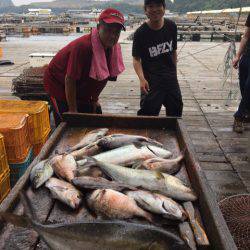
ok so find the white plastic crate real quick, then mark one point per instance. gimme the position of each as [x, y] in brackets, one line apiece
[40, 59]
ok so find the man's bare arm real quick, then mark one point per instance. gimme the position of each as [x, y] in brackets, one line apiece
[138, 69]
[243, 44]
[70, 92]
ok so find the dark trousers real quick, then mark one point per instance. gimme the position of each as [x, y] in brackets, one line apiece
[244, 76]
[60, 107]
[152, 102]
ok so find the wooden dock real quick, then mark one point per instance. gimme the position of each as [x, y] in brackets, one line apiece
[208, 115]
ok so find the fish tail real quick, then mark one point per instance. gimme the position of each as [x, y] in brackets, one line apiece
[17, 220]
[154, 142]
[149, 217]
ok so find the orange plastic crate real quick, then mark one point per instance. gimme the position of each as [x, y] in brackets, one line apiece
[14, 128]
[4, 166]
[38, 120]
[4, 186]
[37, 147]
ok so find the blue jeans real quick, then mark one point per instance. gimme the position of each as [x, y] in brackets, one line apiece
[244, 76]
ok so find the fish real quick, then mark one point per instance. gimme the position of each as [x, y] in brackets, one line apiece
[169, 166]
[158, 204]
[40, 173]
[119, 140]
[89, 150]
[187, 235]
[64, 166]
[89, 138]
[115, 205]
[153, 181]
[99, 235]
[129, 154]
[99, 183]
[88, 171]
[64, 192]
[199, 232]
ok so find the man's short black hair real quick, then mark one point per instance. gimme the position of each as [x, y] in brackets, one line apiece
[147, 2]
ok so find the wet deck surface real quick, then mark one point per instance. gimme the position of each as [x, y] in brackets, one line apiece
[207, 114]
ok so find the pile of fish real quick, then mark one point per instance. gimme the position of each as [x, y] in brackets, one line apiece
[120, 176]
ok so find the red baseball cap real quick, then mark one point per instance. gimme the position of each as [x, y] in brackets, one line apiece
[111, 15]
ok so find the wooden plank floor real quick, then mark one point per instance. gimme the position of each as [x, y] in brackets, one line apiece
[208, 115]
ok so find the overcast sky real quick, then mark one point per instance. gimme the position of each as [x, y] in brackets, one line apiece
[21, 2]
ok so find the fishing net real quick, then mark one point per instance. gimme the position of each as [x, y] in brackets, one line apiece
[236, 211]
[229, 82]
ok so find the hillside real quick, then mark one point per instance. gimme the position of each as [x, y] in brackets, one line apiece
[126, 6]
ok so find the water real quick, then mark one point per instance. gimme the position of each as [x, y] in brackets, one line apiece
[45, 37]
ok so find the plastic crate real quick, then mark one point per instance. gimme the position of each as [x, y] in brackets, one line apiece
[17, 170]
[4, 186]
[4, 166]
[37, 147]
[38, 120]
[14, 128]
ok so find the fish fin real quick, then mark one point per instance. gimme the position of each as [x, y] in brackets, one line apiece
[137, 165]
[17, 220]
[138, 145]
[87, 162]
[154, 142]
[159, 175]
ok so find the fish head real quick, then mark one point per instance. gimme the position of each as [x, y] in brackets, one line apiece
[105, 142]
[75, 201]
[37, 180]
[159, 152]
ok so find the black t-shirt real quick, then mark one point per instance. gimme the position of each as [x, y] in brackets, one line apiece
[155, 48]
[247, 50]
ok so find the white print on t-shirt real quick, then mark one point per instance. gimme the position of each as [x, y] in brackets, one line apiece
[161, 48]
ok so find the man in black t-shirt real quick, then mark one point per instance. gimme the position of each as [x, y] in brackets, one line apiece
[242, 60]
[155, 59]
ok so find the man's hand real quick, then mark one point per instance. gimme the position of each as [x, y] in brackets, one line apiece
[144, 86]
[236, 62]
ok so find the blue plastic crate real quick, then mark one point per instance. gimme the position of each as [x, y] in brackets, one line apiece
[18, 169]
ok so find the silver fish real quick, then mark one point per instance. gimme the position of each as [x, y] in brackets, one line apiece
[169, 166]
[153, 181]
[119, 140]
[65, 192]
[40, 173]
[100, 235]
[89, 138]
[158, 204]
[129, 154]
[99, 183]
[115, 205]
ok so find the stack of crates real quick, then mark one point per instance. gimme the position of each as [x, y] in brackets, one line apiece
[4, 171]
[38, 120]
[14, 128]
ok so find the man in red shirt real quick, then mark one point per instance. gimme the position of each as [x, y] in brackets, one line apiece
[69, 79]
